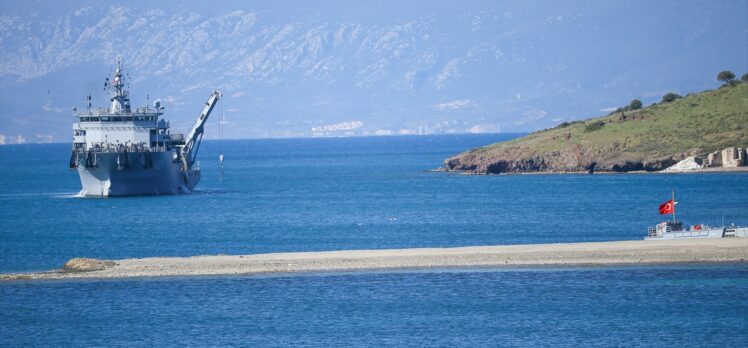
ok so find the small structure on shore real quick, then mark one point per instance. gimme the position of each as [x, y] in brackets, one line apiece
[731, 157]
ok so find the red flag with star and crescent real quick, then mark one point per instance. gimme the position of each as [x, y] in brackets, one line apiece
[667, 207]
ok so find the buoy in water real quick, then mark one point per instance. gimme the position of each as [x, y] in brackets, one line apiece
[220, 159]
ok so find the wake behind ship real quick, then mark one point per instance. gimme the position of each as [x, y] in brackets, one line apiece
[120, 152]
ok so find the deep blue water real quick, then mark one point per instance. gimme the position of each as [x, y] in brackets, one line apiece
[326, 194]
[672, 306]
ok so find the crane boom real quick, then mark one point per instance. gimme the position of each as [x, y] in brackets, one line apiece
[192, 144]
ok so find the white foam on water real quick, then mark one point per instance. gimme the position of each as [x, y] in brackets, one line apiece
[33, 194]
[80, 194]
[74, 195]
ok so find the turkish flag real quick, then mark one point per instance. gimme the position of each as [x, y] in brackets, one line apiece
[667, 207]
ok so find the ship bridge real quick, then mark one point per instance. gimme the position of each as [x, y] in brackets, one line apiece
[103, 129]
[118, 128]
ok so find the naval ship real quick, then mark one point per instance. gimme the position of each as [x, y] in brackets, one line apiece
[121, 152]
[668, 230]
[675, 230]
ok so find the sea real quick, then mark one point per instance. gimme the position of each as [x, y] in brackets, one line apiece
[285, 195]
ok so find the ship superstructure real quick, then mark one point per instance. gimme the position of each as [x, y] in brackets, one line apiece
[119, 152]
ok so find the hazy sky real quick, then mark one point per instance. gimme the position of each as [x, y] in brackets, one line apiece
[290, 68]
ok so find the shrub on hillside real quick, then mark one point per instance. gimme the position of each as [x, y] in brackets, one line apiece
[744, 78]
[728, 77]
[591, 127]
[635, 104]
[670, 97]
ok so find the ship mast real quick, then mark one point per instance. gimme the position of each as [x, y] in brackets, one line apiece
[120, 98]
[674, 204]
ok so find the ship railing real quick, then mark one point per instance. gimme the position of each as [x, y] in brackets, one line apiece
[105, 112]
[94, 111]
[107, 147]
[652, 232]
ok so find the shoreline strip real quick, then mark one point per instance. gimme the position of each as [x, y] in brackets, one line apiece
[565, 254]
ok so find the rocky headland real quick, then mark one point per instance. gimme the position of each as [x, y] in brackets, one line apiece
[711, 127]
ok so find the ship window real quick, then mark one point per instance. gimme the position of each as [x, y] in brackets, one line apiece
[105, 118]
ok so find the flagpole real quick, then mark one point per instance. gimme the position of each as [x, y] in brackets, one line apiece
[674, 206]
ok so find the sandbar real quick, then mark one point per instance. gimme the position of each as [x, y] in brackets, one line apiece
[562, 254]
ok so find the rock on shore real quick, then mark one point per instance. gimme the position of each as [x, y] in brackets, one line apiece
[86, 265]
[588, 159]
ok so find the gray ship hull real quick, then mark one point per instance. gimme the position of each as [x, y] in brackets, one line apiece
[107, 174]
[704, 232]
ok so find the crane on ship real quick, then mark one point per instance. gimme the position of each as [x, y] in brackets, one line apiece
[188, 151]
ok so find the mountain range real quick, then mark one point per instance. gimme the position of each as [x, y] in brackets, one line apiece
[293, 68]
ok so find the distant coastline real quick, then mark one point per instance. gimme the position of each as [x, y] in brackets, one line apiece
[743, 169]
[638, 252]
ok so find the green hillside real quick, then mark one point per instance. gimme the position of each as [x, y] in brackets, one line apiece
[655, 135]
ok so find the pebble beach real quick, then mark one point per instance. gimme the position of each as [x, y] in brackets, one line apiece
[528, 255]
